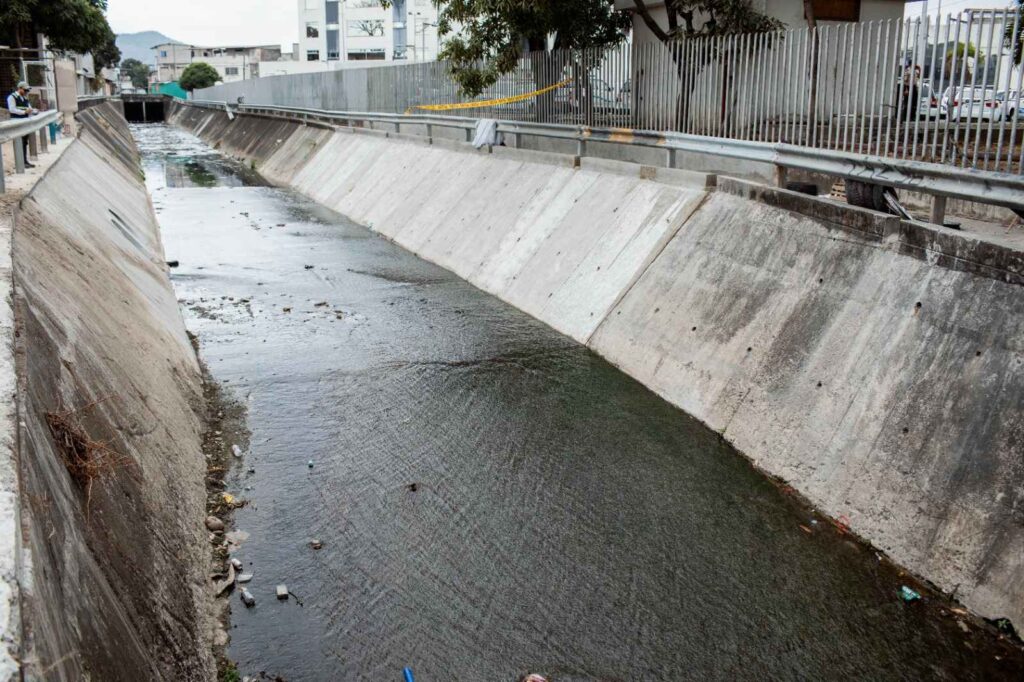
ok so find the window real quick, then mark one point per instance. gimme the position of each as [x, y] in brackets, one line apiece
[312, 29]
[312, 55]
[836, 10]
[366, 28]
[230, 70]
[366, 55]
[333, 47]
[312, 4]
[332, 13]
[163, 53]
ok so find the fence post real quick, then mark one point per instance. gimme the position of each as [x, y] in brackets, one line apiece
[670, 158]
[938, 212]
[430, 134]
[42, 141]
[581, 147]
[33, 145]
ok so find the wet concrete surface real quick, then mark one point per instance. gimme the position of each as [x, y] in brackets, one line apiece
[493, 499]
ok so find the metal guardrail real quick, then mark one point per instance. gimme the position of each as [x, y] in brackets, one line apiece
[939, 180]
[17, 129]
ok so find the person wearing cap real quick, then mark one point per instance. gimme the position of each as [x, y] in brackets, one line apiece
[19, 107]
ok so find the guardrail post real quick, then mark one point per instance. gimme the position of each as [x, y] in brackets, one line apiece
[670, 158]
[581, 148]
[781, 176]
[430, 134]
[938, 212]
[469, 134]
[3, 182]
[33, 146]
[398, 127]
[43, 145]
[19, 155]
[53, 133]
[515, 140]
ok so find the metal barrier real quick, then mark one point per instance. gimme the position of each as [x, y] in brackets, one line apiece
[17, 129]
[1002, 189]
[940, 89]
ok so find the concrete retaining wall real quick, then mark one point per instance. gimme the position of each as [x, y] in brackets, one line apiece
[114, 583]
[877, 366]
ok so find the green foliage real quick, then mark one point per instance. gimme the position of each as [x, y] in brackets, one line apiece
[229, 673]
[723, 17]
[493, 34]
[198, 75]
[1016, 42]
[70, 25]
[137, 71]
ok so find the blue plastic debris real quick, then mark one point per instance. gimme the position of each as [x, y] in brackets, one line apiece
[408, 675]
[909, 595]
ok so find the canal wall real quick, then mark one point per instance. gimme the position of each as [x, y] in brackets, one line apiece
[113, 553]
[873, 364]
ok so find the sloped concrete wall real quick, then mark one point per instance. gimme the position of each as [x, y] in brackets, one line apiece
[115, 576]
[873, 364]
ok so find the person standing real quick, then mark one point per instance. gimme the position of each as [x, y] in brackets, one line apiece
[19, 107]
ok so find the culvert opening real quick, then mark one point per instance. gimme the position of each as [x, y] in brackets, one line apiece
[144, 111]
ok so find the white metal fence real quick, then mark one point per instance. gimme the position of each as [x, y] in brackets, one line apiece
[945, 91]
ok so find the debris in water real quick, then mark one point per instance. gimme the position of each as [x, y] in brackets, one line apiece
[226, 584]
[245, 578]
[412, 487]
[173, 263]
[408, 675]
[214, 524]
[535, 678]
[282, 591]
[237, 563]
[309, 267]
[806, 529]
[287, 310]
[247, 598]
[310, 464]
[908, 595]
[316, 544]
[236, 451]
[321, 304]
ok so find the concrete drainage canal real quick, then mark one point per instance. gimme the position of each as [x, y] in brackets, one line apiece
[440, 482]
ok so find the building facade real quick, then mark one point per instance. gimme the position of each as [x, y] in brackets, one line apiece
[232, 63]
[362, 30]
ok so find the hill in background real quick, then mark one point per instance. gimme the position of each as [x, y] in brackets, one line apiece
[137, 45]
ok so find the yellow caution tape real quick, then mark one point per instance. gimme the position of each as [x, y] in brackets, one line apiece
[490, 102]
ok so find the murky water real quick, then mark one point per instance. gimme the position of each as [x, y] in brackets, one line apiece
[492, 498]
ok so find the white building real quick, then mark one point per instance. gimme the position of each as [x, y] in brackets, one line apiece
[233, 63]
[362, 30]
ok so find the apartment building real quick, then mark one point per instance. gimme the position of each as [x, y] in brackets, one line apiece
[233, 63]
[362, 30]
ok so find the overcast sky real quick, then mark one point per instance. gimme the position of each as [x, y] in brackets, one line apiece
[210, 22]
[253, 22]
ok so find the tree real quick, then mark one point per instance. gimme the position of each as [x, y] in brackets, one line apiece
[137, 71]
[494, 34]
[198, 75]
[69, 25]
[703, 18]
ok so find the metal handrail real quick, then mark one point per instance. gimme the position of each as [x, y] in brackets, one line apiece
[17, 128]
[990, 187]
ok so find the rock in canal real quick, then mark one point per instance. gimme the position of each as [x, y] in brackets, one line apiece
[214, 524]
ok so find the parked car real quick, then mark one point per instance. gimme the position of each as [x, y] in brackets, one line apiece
[985, 104]
[930, 107]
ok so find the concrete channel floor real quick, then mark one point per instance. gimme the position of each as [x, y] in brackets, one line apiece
[18, 185]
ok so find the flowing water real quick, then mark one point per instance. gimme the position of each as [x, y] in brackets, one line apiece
[492, 498]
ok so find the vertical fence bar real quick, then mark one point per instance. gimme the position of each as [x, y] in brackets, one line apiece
[1000, 108]
[897, 109]
[974, 80]
[942, 88]
[911, 51]
[920, 89]
[957, 92]
[984, 90]
[1016, 109]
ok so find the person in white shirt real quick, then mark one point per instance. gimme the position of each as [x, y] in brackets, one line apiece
[19, 107]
